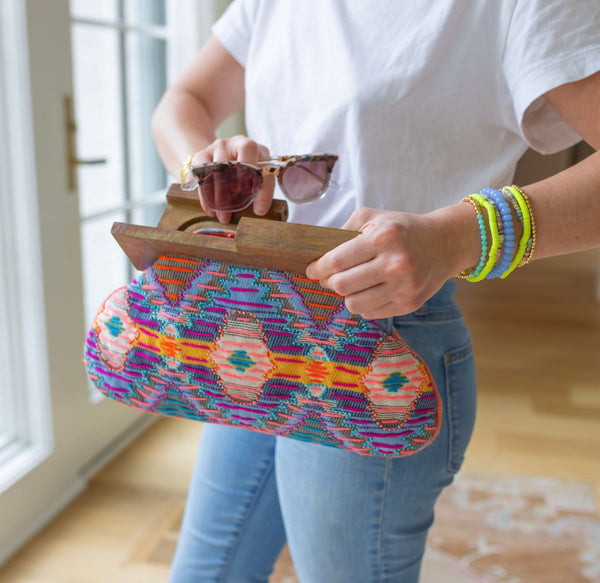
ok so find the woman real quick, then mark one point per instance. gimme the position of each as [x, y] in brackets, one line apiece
[424, 104]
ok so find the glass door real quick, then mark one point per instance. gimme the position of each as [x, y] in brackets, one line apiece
[78, 84]
[119, 51]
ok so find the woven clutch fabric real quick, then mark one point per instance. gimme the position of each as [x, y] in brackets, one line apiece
[261, 349]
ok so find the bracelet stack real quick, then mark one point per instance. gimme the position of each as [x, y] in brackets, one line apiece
[501, 254]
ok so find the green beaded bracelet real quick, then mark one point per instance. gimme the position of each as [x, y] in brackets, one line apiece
[467, 273]
[488, 258]
[493, 227]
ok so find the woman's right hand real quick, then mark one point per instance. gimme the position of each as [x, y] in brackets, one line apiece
[243, 149]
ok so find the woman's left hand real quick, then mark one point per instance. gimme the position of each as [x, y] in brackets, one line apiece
[399, 260]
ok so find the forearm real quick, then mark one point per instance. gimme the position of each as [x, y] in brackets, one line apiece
[566, 210]
[181, 125]
[566, 207]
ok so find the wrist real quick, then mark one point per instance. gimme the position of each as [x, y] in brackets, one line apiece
[459, 235]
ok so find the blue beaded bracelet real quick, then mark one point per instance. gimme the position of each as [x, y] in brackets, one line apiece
[508, 243]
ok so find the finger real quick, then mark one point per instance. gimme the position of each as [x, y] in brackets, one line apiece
[263, 152]
[356, 279]
[386, 299]
[251, 152]
[222, 151]
[203, 157]
[220, 189]
[359, 218]
[207, 211]
[388, 310]
[371, 297]
[343, 257]
[223, 217]
[244, 149]
[366, 303]
[264, 198]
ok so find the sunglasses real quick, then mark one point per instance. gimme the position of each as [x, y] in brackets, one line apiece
[233, 186]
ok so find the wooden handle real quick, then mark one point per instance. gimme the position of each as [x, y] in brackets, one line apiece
[258, 242]
[189, 200]
[292, 243]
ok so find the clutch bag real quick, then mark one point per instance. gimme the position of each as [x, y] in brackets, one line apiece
[225, 328]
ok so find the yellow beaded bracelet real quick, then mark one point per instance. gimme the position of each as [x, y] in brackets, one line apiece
[524, 215]
[530, 246]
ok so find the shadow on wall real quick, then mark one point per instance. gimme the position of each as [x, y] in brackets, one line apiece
[534, 167]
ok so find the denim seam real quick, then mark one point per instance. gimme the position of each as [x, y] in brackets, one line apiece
[241, 528]
[380, 564]
[451, 358]
[458, 354]
[431, 316]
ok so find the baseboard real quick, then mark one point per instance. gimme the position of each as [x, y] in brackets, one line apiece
[41, 521]
[116, 446]
[92, 467]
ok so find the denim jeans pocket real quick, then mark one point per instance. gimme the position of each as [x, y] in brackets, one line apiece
[461, 396]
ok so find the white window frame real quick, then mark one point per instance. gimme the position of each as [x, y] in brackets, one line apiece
[26, 433]
[25, 416]
[132, 201]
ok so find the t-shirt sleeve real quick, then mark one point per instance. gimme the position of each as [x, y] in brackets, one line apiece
[234, 28]
[549, 43]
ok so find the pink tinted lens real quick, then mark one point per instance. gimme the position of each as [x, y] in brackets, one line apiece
[305, 181]
[231, 188]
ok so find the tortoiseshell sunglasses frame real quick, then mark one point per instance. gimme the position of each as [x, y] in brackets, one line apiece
[266, 168]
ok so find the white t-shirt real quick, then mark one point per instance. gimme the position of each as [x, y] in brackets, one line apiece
[424, 101]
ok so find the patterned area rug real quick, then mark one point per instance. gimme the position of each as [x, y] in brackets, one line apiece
[494, 529]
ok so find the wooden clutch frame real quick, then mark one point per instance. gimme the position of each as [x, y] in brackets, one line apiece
[267, 241]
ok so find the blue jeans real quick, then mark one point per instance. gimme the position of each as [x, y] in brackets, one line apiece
[347, 518]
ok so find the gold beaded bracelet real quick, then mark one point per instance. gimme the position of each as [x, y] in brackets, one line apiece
[528, 256]
[185, 168]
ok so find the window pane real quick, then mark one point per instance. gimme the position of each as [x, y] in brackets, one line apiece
[146, 82]
[149, 214]
[96, 9]
[98, 114]
[105, 265]
[146, 12]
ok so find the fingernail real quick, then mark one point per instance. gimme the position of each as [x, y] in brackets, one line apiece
[261, 208]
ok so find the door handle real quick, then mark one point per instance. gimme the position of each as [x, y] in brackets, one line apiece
[71, 134]
[92, 162]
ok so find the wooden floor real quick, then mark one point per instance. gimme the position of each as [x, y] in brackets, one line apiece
[537, 341]
[537, 344]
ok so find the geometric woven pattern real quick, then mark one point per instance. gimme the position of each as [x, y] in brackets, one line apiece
[264, 350]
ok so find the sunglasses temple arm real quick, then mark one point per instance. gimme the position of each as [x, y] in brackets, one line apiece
[322, 180]
[191, 184]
